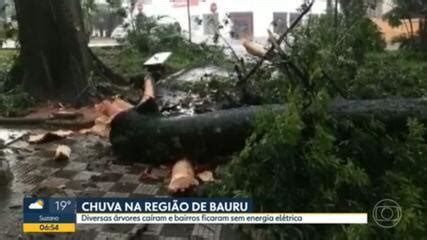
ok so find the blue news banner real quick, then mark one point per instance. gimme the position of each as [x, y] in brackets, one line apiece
[62, 214]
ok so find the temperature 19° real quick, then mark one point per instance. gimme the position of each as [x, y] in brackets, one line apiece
[61, 205]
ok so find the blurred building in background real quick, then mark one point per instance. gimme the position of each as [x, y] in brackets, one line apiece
[241, 18]
[2, 12]
[381, 8]
[7, 10]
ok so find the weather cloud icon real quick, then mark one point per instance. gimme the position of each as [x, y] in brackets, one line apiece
[37, 205]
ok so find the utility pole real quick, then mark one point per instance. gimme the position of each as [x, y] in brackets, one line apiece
[189, 19]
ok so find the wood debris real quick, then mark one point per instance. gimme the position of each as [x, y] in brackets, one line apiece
[254, 49]
[49, 136]
[183, 177]
[107, 110]
[62, 152]
[206, 176]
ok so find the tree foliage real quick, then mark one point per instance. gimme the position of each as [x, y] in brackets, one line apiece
[305, 161]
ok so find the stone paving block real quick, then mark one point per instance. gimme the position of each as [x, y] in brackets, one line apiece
[111, 236]
[207, 231]
[89, 227]
[162, 196]
[92, 193]
[138, 229]
[72, 193]
[85, 175]
[75, 185]
[76, 166]
[146, 189]
[116, 194]
[177, 230]
[53, 182]
[89, 184]
[98, 165]
[65, 173]
[153, 229]
[138, 168]
[22, 169]
[44, 171]
[139, 196]
[148, 237]
[119, 168]
[133, 178]
[52, 163]
[30, 179]
[118, 228]
[173, 238]
[107, 177]
[105, 186]
[124, 187]
[25, 187]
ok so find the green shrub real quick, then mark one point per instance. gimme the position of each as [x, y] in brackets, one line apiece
[300, 162]
[13, 101]
[391, 74]
[305, 161]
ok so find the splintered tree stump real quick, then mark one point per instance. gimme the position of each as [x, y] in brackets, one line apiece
[151, 138]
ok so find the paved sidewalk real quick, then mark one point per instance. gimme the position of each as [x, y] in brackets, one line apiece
[91, 172]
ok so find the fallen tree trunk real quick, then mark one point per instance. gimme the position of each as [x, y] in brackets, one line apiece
[153, 139]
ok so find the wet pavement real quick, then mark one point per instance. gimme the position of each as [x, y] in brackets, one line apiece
[92, 171]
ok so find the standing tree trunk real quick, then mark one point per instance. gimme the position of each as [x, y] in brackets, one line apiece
[54, 49]
[329, 6]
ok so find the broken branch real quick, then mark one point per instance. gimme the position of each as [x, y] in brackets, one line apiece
[295, 23]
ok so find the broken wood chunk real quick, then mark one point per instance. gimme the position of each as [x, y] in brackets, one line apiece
[206, 176]
[254, 49]
[182, 177]
[62, 152]
[122, 104]
[148, 89]
[106, 110]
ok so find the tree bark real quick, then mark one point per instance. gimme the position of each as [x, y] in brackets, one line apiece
[153, 139]
[53, 49]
